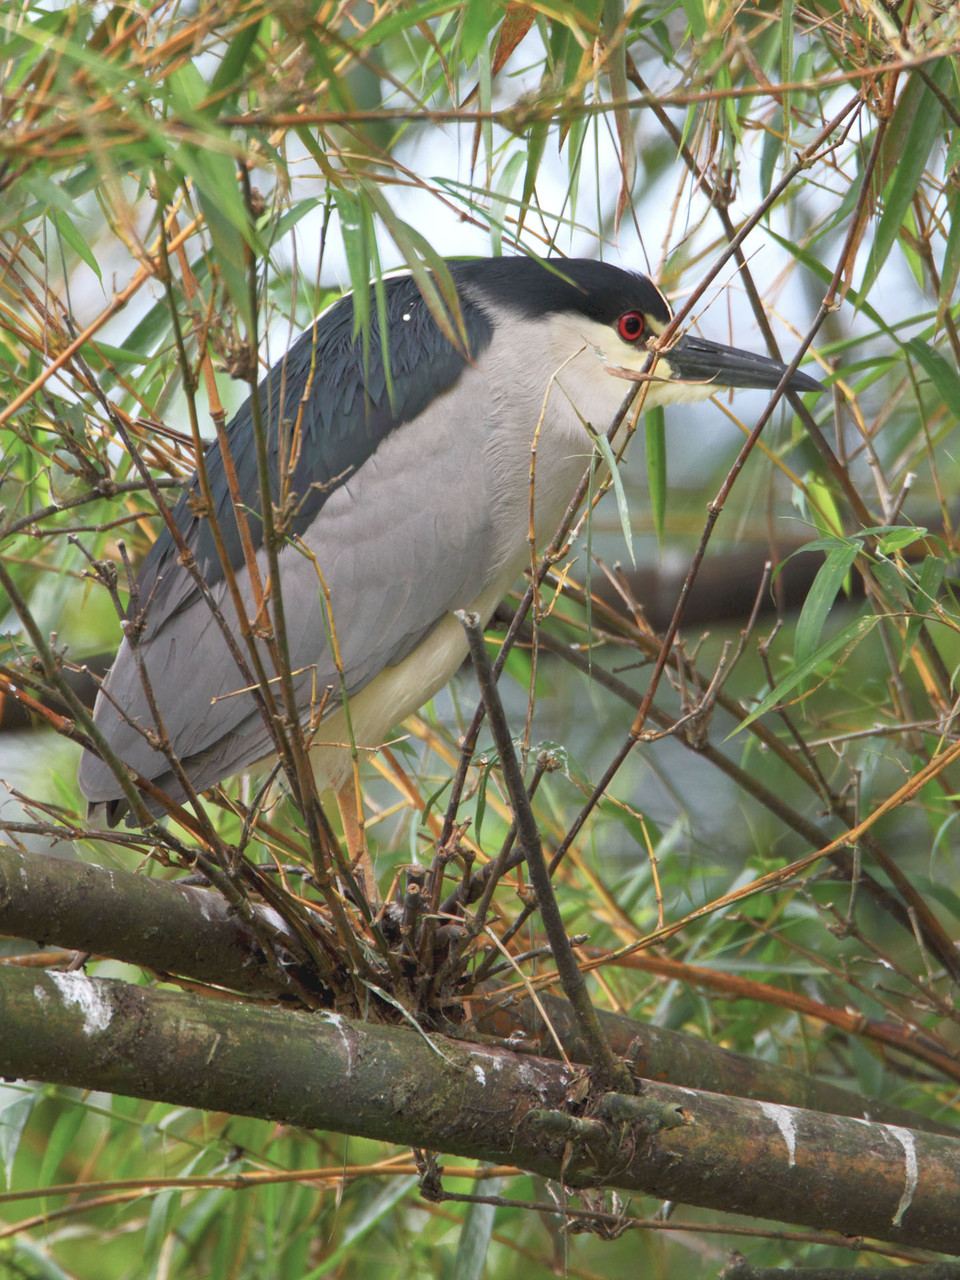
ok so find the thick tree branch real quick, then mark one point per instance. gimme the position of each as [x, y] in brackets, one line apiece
[193, 933]
[397, 1085]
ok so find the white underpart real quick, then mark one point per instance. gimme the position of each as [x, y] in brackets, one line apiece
[563, 365]
[392, 696]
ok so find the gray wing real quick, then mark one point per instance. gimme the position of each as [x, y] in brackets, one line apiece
[408, 538]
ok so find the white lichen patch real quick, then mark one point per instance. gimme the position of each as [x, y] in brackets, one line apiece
[77, 988]
[911, 1173]
[339, 1023]
[782, 1117]
[479, 1072]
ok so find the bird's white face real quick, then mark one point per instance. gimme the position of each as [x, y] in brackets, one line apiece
[602, 359]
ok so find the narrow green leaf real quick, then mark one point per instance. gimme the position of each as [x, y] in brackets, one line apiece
[820, 598]
[536, 143]
[850, 636]
[895, 584]
[898, 539]
[476, 1232]
[940, 371]
[476, 25]
[290, 217]
[408, 17]
[619, 90]
[77, 242]
[823, 507]
[771, 151]
[161, 1219]
[911, 135]
[823, 273]
[498, 206]
[654, 430]
[228, 241]
[951, 254]
[234, 61]
[14, 1114]
[213, 172]
[428, 269]
[786, 61]
[932, 574]
[623, 507]
[361, 1224]
[60, 1141]
[696, 18]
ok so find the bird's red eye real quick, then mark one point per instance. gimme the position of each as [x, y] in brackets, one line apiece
[630, 326]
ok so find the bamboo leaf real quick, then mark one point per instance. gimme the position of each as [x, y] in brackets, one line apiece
[951, 254]
[537, 141]
[619, 89]
[820, 599]
[654, 430]
[234, 61]
[911, 135]
[623, 507]
[476, 1232]
[841, 643]
[398, 21]
[77, 242]
[899, 539]
[517, 21]
[940, 371]
[932, 574]
[427, 267]
[476, 20]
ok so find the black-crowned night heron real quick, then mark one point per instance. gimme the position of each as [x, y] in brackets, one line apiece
[412, 500]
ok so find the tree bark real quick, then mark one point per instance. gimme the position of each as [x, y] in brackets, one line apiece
[398, 1085]
[191, 932]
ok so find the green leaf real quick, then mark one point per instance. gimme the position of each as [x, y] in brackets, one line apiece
[619, 91]
[844, 640]
[623, 507]
[824, 274]
[60, 1140]
[476, 1232]
[951, 254]
[361, 1224]
[897, 539]
[820, 598]
[654, 430]
[823, 507]
[233, 61]
[161, 1220]
[696, 17]
[476, 23]
[928, 588]
[912, 133]
[498, 205]
[786, 61]
[771, 151]
[213, 172]
[536, 144]
[77, 242]
[14, 1114]
[428, 269]
[940, 372]
[408, 17]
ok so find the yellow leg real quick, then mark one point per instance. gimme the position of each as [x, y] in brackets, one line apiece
[350, 804]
